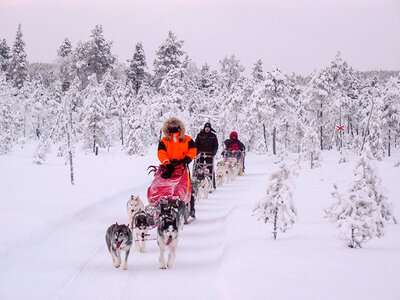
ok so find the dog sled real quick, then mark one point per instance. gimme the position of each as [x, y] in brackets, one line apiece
[203, 166]
[236, 156]
[174, 190]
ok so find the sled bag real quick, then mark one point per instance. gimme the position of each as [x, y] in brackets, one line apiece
[177, 186]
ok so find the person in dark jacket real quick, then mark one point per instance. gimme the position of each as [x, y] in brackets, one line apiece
[207, 142]
[233, 144]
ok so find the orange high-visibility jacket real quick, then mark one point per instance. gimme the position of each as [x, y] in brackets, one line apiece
[176, 148]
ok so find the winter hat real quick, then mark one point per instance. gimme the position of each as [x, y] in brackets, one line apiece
[208, 124]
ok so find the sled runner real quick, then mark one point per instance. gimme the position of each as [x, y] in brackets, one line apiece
[237, 156]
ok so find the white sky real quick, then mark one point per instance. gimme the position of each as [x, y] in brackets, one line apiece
[295, 35]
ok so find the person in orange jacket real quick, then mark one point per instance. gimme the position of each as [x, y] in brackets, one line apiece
[176, 148]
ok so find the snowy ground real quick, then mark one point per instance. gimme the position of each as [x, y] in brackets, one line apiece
[52, 236]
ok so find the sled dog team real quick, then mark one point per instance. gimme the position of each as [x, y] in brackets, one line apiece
[174, 149]
[120, 237]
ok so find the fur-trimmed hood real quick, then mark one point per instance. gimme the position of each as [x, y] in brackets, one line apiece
[174, 123]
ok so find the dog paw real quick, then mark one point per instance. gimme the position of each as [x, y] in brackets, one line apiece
[169, 266]
[125, 267]
[117, 266]
[163, 267]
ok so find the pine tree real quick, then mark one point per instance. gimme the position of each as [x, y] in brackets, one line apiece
[17, 70]
[277, 206]
[309, 146]
[315, 103]
[66, 73]
[136, 73]
[356, 215]
[258, 72]
[6, 116]
[276, 98]
[4, 55]
[93, 57]
[231, 71]
[391, 109]
[343, 155]
[95, 114]
[369, 177]
[65, 48]
[168, 57]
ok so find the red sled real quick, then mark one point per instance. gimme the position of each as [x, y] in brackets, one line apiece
[178, 186]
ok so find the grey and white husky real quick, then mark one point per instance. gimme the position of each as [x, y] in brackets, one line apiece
[119, 237]
[167, 236]
[133, 206]
[140, 228]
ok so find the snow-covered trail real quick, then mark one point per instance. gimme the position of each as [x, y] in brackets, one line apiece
[60, 252]
[199, 267]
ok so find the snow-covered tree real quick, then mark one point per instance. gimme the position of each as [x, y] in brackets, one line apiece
[66, 72]
[5, 55]
[277, 206]
[391, 110]
[168, 57]
[136, 72]
[356, 216]
[344, 156]
[17, 69]
[6, 115]
[93, 57]
[231, 71]
[310, 147]
[368, 178]
[95, 113]
[279, 108]
[315, 103]
[258, 72]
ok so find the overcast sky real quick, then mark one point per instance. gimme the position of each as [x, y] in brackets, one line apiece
[295, 35]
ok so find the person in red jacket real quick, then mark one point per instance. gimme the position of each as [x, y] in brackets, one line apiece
[233, 144]
[176, 148]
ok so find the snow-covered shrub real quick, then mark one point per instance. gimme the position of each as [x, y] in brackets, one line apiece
[343, 155]
[361, 211]
[277, 206]
[310, 147]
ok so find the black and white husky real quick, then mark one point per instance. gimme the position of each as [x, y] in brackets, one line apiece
[119, 237]
[167, 236]
[133, 206]
[140, 227]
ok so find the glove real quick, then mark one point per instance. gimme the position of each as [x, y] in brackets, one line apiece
[169, 169]
[185, 161]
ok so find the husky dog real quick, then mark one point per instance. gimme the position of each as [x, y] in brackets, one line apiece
[140, 227]
[179, 211]
[221, 172]
[133, 206]
[167, 236]
[232, 170]
[119, 237]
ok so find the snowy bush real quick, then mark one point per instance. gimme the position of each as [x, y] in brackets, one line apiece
[361, 211]
[277, 206]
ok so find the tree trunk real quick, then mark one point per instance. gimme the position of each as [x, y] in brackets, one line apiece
[265, 138]
[71, 165]
[367, 129]
[275, 223]
[312, 160]
[121, 130]
[389, 143]
[340, 124]
[274, 141]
